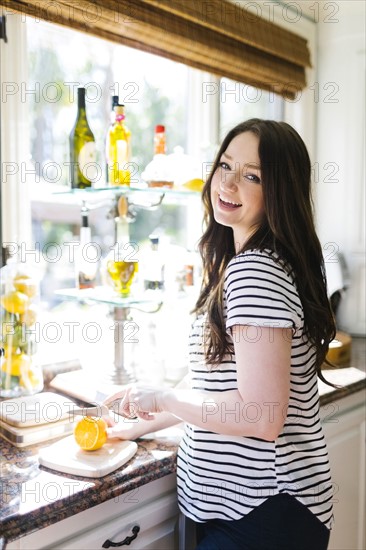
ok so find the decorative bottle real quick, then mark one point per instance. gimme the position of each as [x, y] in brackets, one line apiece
[154, 266]
[121, 264]
[114, 103]
[83, 167]
[118, 150]
[87, 258]
[158, 172]
[159, 140]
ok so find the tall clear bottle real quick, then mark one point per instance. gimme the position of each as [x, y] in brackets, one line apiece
[87, 258]
[118, 150]
[154, 266]
[83, 167]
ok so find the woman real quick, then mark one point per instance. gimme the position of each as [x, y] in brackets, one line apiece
[253, 469]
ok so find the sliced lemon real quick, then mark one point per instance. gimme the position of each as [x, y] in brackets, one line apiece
[90, 433]
[195, 184]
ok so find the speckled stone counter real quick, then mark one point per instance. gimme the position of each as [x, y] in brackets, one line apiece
[33, 497]
[350, 379]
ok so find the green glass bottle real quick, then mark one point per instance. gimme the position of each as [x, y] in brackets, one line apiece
[83, 168]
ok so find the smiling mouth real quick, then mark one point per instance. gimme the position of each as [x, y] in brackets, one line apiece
[229, 204]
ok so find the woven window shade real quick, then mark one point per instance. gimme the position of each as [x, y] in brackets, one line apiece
[212, 35]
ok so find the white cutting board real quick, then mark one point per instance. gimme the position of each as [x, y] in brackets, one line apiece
[67, 457]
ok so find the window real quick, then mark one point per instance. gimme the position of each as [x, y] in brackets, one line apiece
[239, 102]
[152, 88]
[155, 91]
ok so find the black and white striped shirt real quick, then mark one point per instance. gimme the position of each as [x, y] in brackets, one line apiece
[225, 477]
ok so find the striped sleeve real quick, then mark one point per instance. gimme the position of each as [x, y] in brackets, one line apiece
[260, 292]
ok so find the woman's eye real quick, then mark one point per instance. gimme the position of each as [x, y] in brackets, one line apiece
[224, 165]
[252, 177]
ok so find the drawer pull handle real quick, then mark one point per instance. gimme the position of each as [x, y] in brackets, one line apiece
[127, 541]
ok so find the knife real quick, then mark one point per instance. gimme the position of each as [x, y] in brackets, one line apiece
[98, 411]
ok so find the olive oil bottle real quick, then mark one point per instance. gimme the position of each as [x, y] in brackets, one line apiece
[118, 150]
[83, 167]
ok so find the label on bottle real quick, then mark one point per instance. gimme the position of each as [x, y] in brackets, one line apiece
[87, 161]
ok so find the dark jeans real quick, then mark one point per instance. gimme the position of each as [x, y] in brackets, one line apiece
[280, 523]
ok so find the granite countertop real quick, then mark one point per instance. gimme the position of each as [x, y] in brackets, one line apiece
[33, 497]
[350, 379]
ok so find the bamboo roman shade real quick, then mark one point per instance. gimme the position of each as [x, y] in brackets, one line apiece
[216, 36]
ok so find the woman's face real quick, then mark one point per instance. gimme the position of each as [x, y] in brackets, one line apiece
[236, 188]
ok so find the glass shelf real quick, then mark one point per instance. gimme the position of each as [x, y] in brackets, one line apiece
[124, 190]
[104, 295]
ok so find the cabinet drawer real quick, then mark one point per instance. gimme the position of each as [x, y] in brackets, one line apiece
[156, 522]
[108, 518]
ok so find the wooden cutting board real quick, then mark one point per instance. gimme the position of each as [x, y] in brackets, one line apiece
[67, 457]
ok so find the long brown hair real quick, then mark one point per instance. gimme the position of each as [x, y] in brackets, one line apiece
[287, 229]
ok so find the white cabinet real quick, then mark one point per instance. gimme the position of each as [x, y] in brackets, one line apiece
[151, 509]
[344, 426]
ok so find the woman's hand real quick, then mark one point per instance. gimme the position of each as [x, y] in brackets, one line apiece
[122, 428]
[137, 401]
[149, 402]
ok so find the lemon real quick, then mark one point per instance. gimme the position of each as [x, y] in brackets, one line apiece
[90, 433]
[18, 364]
[195, 184]
[15, 302]
[25, 285]
[29, 317]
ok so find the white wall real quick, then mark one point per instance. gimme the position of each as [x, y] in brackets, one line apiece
[340, 150]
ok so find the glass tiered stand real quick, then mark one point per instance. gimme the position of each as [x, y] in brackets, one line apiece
[121, 372]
